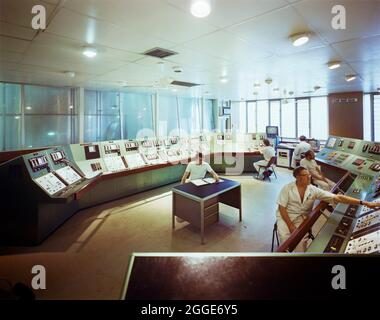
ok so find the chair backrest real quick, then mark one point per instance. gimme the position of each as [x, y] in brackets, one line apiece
[271, 162]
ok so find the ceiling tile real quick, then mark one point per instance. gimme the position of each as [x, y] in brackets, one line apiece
[273, 30]
[14, 45]
[362, 18]
[236, 10]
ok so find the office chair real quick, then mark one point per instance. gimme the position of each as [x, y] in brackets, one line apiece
[275, 234]
[268, 169]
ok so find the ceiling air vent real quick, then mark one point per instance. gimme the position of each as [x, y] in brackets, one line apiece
[184, 84]
[159, 53]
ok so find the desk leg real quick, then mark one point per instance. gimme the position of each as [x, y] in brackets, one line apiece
[202, 221]
[240, 213]
[173, 210]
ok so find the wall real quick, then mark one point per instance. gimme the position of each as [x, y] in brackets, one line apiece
[346, 118]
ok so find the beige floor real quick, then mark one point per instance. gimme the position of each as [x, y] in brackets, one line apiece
[87, 257]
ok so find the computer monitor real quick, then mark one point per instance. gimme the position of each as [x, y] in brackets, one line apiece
[271, 131]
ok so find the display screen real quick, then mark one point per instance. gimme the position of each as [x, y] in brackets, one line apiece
[92, 152]
[57, 156]
[331, 143]
[271, 130]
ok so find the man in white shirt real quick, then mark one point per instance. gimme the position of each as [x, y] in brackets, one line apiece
[296, 201]
[317, 176]
[302, 147]
[268, 152]
[198, 169]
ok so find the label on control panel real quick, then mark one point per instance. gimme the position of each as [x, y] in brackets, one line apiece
[68, 174]
[369, 220]
[114, 164]
[50, 183]
[369, 243]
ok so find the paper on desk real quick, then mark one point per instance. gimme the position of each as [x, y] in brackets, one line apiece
[211, 180]
[198, 182]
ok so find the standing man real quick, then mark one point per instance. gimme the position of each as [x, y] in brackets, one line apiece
[317, 176]
[268, 152]
[302, 147]
[296, 201]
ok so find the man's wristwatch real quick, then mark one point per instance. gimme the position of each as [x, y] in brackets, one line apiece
[361, 202]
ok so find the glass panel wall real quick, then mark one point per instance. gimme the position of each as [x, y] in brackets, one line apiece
[252, 119]
[275, 114]
[167, 117]
[303, 118]
[208, 118]
[288, 118]
[137, 111]
[319, 118]
[189, 116]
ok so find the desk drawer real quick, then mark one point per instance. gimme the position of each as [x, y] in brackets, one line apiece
[211, 219]
[211, 202]
[212, 210]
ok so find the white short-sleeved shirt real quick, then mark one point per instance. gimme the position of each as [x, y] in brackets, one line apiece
[198, 171]
[290, 199]
[302, 147]
[268, 152]
[310, 165]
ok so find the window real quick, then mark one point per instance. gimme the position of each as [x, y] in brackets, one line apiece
[319, 118]
[262, 115]
[251, 114]
[367, 117]
[376, 117]
[238, 116]
[10, 117]
[208, 118]
[167, 119]
[102, 116]
[50, 117]
[303, 117]
[275, 114]
[138, 115]
[288, 118]
[189, 116]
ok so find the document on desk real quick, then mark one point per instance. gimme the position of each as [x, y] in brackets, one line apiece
[199, 182]
[212, 180]
[202, 182]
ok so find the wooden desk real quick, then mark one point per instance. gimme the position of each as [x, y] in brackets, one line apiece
[200, 205]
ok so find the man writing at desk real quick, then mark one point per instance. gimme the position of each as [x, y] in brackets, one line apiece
[198, 169]
[296, 201]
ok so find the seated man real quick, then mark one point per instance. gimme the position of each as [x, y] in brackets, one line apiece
[268, 152]
[296, 201]
[198, 169]
[302, 147]
[318, 178]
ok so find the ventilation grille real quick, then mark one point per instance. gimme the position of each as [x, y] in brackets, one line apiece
[159, 53]
[185, 84]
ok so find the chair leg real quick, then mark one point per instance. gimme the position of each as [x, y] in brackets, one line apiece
[274, 173]
[273, 235]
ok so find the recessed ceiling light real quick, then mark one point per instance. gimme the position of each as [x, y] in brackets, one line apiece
[334, 65]
[200, 8]
[299, 39]
[223, 80]
[256, 85]
[255, 93]
[71, 107]
[28, 108]
[51, 134]
[90, 52]
[276, 89]
[350, 77]
[17, 117]
[174, 89]
[316, 88]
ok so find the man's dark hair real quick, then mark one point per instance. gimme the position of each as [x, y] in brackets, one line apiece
[302, 138]
[266, 142]
[297, 171]
[200, 155]
[308, 153]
